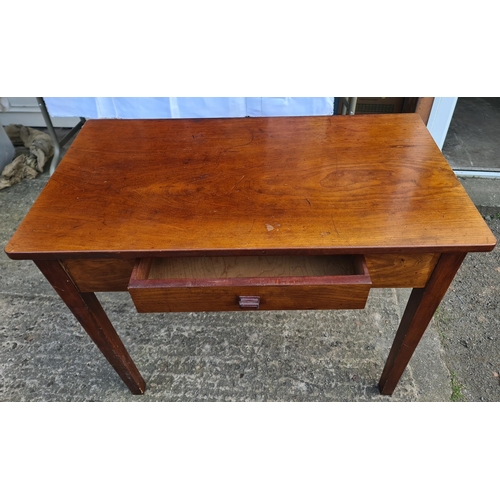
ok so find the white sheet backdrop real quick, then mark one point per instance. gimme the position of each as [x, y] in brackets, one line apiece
[187, 107]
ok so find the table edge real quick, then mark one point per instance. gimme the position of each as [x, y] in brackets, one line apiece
[134, 254]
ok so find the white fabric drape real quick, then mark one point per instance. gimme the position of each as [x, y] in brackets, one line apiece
[187, 107]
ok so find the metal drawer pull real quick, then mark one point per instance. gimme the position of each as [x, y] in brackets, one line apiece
[249, 301]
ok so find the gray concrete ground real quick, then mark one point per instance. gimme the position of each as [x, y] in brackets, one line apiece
[484, 193]
[253, 356]
[472, 139]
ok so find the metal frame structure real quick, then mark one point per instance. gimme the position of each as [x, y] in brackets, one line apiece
[58, 144]
[479, 174]
[347, 105]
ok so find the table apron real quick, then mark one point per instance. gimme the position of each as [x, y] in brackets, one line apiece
[386, 271]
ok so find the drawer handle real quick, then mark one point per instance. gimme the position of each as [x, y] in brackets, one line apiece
[249, 301]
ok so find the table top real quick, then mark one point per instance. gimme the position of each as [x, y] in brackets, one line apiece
[324, 184]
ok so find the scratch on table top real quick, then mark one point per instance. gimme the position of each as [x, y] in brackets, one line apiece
[335, 226]
[237, 183]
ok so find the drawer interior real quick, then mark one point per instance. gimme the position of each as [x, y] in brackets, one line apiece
[206, 283]
[285, 268]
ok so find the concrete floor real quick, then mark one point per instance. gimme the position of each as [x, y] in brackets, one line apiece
[257, 356]
[474, 134]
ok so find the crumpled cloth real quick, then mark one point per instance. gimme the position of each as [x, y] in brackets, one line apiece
[39, 149]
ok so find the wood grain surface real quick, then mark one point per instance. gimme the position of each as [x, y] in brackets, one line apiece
[421, 306]
[401, 270]
[89, 312]
[226, 298]
[386, 270]
[251, 266]
[100, 275]
[278, 282]
[338, 184]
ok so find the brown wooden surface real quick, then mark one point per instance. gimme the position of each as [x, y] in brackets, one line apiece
[401, 270]
[100, 275]
[280, 282]
[421, 306]
[225, 298]
[251, 266]
[410, 104]
[386, 270]
[88, 311]
[424, 108]
[357, 184]
[367, 185]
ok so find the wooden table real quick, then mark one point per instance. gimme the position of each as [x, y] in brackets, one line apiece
[252, 213]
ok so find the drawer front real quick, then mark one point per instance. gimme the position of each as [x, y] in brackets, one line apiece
[279, 284]
[233, 298]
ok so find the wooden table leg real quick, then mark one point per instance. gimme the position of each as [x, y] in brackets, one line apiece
[89, 312]
[421, 306]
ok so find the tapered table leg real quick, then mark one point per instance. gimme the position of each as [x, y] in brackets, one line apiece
[89, 312]
[421, 306]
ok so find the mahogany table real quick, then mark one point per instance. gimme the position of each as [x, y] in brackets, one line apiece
[252, 213]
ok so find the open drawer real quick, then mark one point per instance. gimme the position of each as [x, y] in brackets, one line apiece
[181, 284]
